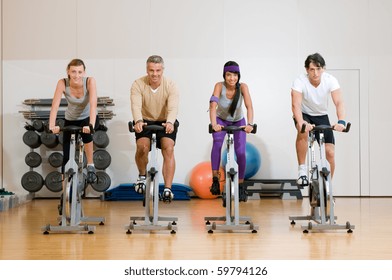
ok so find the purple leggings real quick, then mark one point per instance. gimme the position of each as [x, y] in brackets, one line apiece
[239, 146]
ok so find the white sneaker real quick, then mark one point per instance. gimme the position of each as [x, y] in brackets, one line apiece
[167, 195]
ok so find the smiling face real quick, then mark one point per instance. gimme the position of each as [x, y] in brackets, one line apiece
[154, 72]
[231, 79]
[314, 73]
[76, 74]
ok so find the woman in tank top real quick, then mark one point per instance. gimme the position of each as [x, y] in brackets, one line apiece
[225, 110]
[81, 95]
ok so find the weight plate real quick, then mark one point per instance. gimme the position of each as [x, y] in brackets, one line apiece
[49, 139]
[31, 139]
[103, 182]
[53, 181]
[102, 159]
[38, 125]
[32, 181]
[55, 159]
[101, 139]
[33, 159]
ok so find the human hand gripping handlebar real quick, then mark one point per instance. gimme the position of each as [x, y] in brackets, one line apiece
[153, 127]
[325, 127]
[232, 128]
[71, 128]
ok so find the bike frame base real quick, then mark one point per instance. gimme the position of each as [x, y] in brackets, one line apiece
[151, 217]
[315, 224]
[230, 225]
[151, 226]
[232, 218]
[72, 217]
[322, 215]
[69, 229]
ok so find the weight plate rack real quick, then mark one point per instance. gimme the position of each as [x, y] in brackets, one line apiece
[39, 142]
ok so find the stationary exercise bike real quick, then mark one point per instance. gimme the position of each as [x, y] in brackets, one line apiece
[231, 194]
[151, 195]
[72, 218]
[321, 199]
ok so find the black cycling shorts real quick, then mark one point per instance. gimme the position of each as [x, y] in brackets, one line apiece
[319, 120]
[160, 134]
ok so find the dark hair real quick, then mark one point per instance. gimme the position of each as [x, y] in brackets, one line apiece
[76, 62]
[233, 104]
[316, 59]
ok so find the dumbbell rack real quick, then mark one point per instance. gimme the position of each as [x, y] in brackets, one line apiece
[35, 135]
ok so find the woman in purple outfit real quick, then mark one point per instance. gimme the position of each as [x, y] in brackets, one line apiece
[225, 110]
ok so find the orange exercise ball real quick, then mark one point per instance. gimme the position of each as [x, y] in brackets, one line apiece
[201, 180]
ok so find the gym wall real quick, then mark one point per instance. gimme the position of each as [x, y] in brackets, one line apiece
[269, 39]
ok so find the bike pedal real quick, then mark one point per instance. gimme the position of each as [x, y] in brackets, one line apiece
[140, 188]
[140, 185]
[303, 181]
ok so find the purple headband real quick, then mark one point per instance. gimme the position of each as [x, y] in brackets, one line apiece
[232, 69]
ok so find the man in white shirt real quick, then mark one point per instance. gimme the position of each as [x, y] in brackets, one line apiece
[309, 96]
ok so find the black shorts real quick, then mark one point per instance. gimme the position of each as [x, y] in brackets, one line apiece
[87, 138]
[320, 120]
[160, 134]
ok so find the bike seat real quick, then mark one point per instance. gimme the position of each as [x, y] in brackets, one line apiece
[154, 127]
[72, 128]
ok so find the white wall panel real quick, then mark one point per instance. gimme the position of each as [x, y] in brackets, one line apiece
[39, 29]
[269, 39]
[380, 98]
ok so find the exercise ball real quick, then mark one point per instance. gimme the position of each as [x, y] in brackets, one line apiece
[253, 160]
[201, 180]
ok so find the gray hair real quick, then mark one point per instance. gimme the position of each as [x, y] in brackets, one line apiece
[156, 59]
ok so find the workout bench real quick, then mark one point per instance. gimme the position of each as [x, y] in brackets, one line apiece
[288, 188]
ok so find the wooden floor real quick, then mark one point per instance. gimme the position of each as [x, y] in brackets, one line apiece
[21, 237]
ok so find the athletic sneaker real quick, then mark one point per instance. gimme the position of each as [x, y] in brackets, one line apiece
[302, 180]
[215, 187]
[140, 185]
[91, 176]
[243, 196]
[167, 195]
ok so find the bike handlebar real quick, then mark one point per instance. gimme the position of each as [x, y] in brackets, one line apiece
[232, 128]
[325, 127]
[73, 129]
[152, 127]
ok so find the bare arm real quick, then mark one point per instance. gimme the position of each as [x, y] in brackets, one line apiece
[214, 105]
[248, 105]
[92, 89]
[58, 94]
[296, 102]
[337, 99]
